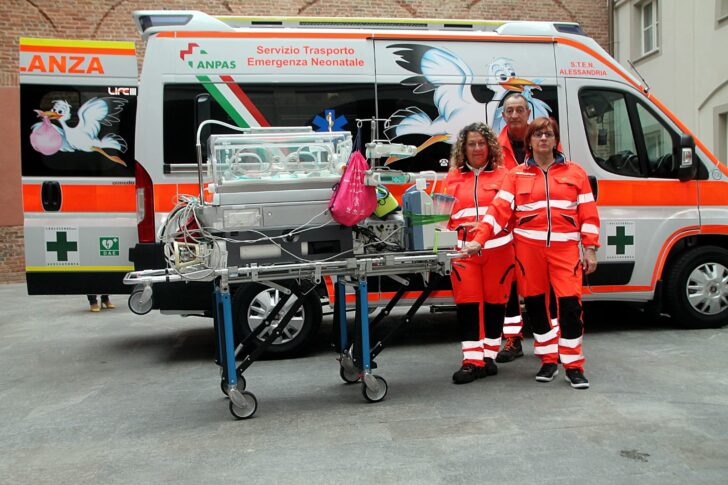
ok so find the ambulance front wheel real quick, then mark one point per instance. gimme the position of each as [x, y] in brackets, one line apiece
[697, 288]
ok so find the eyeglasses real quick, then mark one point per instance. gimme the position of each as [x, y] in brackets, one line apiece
[547, 134]
[476, 144]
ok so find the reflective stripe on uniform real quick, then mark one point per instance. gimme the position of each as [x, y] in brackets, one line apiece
[571, 343]
[545, 337]
[469, 212]
[492, 243]
[489, 219]
[584, 198]
[568, 359]
[505, 195]
[542, 235]
[542, 204]
[546, 349]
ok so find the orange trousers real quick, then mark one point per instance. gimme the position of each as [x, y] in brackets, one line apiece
[481, 286]
[558, 267]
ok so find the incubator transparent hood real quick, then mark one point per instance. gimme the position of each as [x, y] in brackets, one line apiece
[260, 160]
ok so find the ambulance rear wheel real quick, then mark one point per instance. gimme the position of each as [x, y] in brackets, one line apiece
[697, 288]
[252, 303]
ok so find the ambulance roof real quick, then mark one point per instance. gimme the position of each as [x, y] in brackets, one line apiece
[153, 21]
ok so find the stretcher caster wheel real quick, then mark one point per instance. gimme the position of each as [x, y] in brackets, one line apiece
[243, 404]
[139, 302]
[239, 385]
[350, 375]
[373, 388]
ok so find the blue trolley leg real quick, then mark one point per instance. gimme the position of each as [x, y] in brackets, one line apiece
[243, 404]
[374, 388]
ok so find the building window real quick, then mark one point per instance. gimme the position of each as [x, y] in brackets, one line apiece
[650, 27]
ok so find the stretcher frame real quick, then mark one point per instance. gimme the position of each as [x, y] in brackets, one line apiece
[356, 354]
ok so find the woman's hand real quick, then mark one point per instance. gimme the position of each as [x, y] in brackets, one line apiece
[468, 224]
[589, 263]
[471, 247]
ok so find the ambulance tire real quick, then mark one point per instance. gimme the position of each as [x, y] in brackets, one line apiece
[692, 262]
[250, 300]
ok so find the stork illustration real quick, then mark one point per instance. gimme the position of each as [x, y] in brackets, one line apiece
[85, 135]
[501, 68]
[449, 78]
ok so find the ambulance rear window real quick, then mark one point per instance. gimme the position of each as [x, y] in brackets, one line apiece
[77, 131]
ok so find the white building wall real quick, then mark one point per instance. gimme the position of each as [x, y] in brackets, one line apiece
[689, 70]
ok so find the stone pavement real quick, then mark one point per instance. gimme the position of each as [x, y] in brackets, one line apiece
[118, 398]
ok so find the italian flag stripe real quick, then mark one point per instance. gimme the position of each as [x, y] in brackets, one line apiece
[223, 101]
[240, 94]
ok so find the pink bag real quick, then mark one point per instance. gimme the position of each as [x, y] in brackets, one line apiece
[353, 201]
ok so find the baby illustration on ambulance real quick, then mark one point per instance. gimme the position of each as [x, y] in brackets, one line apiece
[48, 138]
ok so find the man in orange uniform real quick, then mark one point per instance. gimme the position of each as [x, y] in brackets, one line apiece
[555, 211]
[516, 113]
[481, 284]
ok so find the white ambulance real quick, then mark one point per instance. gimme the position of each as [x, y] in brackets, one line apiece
[663, 197]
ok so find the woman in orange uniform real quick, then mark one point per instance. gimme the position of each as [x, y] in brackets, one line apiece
[554, 212]
[481, 283]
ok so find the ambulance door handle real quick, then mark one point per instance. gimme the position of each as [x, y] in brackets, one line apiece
[50, 195]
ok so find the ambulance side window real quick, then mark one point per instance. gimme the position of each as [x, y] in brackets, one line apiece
[609, 131]
[317, 105]
[625, 136]
[77, 131]
[658, 145]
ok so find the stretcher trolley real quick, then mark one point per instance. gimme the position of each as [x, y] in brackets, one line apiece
[264, 218]
[356, 351]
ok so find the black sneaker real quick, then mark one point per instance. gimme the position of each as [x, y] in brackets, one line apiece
[576, 378]
[547, 373]
[511, 350]
[490, 368]
[468, 373]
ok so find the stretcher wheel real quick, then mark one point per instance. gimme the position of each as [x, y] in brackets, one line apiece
[135, 301]
[350, 376]
[240, 385]
[243, 405]
[374, 388]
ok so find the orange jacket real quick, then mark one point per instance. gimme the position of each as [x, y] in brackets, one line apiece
[509, 156]
[552, 208]
[474, 194]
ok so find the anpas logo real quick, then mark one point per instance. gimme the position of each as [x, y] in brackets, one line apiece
[204, 63]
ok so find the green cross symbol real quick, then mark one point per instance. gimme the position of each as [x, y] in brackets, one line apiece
[621, 240]
[62, 246]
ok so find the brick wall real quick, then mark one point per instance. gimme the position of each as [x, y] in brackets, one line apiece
[12, 261]
[111, 20]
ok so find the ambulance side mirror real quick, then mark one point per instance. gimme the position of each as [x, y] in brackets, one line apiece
[687, 167]
[594, 186]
